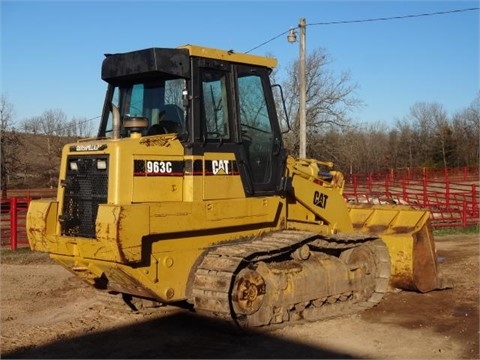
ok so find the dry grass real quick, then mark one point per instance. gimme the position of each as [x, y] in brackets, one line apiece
[24, 256]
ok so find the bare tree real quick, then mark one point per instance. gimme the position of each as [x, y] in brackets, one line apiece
[434, 132]
[330, 98]
[9, 144]
[78, 127]
[466, 133]
[53, 131]
[407, 149]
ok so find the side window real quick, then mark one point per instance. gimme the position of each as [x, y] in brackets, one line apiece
[174, 91]
[116, 103]
[171, 114]
[257, 132]
[215, 105]
[140, 97]
[253, 106]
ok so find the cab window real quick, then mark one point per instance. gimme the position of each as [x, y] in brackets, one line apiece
[215, 105]
[159, 101]
[256, 128]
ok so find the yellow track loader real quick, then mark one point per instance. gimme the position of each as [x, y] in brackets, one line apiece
[188, 196]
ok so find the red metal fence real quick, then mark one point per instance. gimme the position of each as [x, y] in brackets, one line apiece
[451, 195]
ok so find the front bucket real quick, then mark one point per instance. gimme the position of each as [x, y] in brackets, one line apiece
[408, 235]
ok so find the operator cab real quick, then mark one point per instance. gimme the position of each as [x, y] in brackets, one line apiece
[215, 101]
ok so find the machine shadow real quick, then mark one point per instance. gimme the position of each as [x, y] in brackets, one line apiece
[181, 335]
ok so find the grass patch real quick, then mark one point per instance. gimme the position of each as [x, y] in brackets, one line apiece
[24, 256]
[474, 229]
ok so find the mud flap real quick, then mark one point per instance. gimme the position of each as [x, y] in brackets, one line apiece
[407, 232]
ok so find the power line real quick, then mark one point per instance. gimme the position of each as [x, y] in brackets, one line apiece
[266, 42]
[68, 125]
[72, 124]
[394, 17]
[341, 22]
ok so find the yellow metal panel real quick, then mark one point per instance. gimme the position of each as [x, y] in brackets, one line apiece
[133, 225]
[239, 212]
[192, 183]
[91, 249]
[192, 188]
[387, 218]
[223, 187]
[182, 217]
[408, 235]
[106, 229]
[41, 224]
[379, 221]
[154, 189]
[400, 248]
[359, 216]
[123, 227]
[332, 209]
[298, 212]
[409, 220]
[120, 184]
[224, 184]
[202, 51]
[174, 269]
[172, 217]
[121, 278]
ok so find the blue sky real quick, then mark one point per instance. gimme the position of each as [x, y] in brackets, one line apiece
[51, 51]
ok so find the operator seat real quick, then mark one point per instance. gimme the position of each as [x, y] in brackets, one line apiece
[171, 121]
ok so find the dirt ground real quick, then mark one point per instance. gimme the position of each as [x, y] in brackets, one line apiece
[48, 313]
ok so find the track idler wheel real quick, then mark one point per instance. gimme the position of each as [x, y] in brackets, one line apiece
[374, 261]
[248, 292]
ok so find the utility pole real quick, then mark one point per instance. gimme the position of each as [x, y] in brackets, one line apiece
[302, 111]
[303, 92]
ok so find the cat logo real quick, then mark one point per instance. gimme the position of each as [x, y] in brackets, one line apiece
[320, 199]
[221, 167]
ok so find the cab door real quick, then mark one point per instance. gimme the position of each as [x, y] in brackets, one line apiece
[234, 114]
[259, 130]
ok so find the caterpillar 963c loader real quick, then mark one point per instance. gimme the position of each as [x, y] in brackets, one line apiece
[187, 196]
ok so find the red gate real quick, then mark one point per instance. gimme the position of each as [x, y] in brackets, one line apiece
[13, 215]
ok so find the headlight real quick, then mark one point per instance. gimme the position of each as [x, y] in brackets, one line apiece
[101, 164]
[73, 165]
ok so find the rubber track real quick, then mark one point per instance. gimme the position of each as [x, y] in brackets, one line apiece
[214, 276]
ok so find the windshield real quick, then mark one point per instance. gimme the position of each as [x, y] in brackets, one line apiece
[159, 102]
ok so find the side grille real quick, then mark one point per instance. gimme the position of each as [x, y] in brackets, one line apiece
[86, 186]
